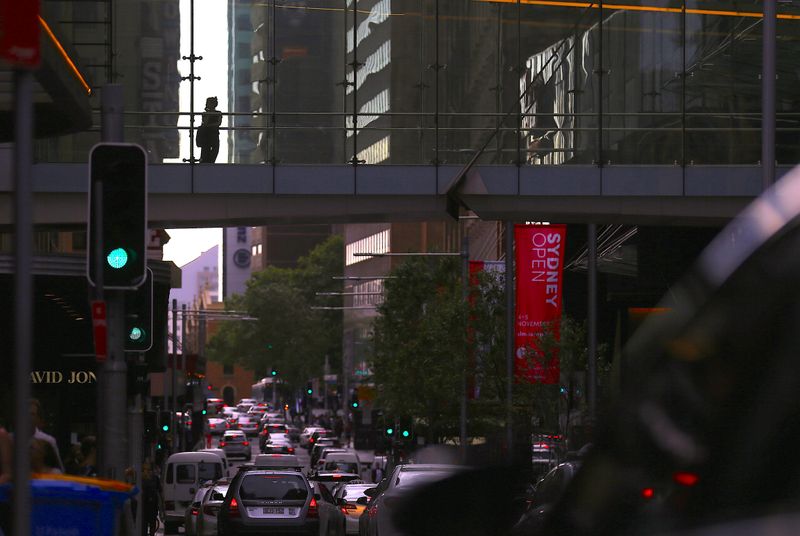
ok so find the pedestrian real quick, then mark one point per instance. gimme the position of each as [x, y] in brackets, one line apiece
[150, 498]
[38, 422]
[88, 466]
[208, 132]
[43, 458]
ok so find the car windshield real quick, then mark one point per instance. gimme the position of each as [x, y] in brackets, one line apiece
[233, 438]
[342, 467]
[267, 487]
[209, 471]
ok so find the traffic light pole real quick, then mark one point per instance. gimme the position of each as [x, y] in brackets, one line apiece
[112, 377]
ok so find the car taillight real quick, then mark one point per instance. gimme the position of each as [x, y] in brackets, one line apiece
[195, 510]
[245, 443]
[227, 425]
[221, 443]
[313, 511]
[648, 493]
[291, 450]
[169, 505]
[233, 509]
[347, 508]
[310, 440]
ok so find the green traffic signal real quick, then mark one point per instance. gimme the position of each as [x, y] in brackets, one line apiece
[117, 258]
[389, 431]
[165, 428]
[204, 412]
[310, 391]
[355, 404]
[136, 334]
[274, 372]
[405, 433]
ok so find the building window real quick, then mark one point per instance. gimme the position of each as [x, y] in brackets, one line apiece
[377, 243]
[227, 369]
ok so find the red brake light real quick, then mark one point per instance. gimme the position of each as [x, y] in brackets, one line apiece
[221, 443]
[648, 493]
[233, 509]
[685, 479]
[195, 510]
[245, 443]
[291, 450]
[312, 508]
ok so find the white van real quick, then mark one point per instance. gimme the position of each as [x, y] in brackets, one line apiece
[226, 465]
[184, 473]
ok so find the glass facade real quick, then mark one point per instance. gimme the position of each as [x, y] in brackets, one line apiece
[649, 82]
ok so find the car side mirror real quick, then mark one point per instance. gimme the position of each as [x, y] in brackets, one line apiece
[362, 500]
[371, 492]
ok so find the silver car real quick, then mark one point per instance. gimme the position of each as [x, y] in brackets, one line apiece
[235, 444]
[209, 508]
[193, 512]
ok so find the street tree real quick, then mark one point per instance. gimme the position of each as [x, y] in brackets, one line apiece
[286, 332]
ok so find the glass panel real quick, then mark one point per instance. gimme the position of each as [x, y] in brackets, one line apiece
[723, 86]
[787, 150]
[308, 71]
[184, 473]
[559, 106]
[642, 83]
[470, 34]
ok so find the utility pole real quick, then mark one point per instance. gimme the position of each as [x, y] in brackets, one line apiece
[112, 377]
[464, 296]
[172, 374]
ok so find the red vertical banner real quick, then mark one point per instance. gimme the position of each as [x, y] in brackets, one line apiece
[100, 330]
[539, 278]
[19, 32]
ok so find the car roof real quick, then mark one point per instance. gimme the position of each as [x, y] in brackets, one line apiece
[179, 457]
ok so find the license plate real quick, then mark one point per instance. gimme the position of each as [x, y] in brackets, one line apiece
[273, 511]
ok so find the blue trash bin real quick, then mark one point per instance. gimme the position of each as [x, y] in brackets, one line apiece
[66, 506]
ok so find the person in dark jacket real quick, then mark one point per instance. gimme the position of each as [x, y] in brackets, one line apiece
[208, 132]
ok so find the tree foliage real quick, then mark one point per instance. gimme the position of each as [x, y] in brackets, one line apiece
[422, 343]
[286, 333]
[419, 341]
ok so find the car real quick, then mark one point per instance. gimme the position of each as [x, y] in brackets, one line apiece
[226, 465]
[216, 425]
[333, 479]
[316, 436]
[278, 461]
[248, 401]
[209, 508]
[193, 511]
[260, 501]
[305, 435]
[331, 517]
[214, 405]
[235, 444]
[277, 447]
[402, 482]
[342, 461]
[183, 474]
[318, 450]
[248, 424]
[346, 497]
[546, 492]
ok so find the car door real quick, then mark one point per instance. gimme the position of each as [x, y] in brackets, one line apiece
[331, 520]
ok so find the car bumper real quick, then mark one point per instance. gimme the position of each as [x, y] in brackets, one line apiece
[308, 528]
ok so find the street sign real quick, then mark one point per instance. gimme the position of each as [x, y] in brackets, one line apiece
[19, 32]
[100, 330]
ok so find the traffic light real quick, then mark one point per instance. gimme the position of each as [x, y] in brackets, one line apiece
[164, 421]
[390, 431]
[309, 389]
[405, 433]
[354, 402]
[118, 178]
[274, 372]
[139, 317]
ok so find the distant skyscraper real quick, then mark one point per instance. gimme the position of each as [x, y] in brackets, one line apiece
[236, 260]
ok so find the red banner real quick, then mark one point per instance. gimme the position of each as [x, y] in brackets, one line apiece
[539, 275]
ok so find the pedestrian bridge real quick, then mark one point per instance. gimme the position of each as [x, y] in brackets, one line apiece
[212, 195]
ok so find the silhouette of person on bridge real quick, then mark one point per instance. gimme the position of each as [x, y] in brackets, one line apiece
[208, 132]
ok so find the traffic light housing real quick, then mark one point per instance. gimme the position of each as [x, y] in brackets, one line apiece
[273, 372]
[309, 389]
[164, 421]
[118, 178]
[139, 317]
[354, 402]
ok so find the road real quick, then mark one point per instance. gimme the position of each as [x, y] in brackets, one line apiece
[365, 456]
